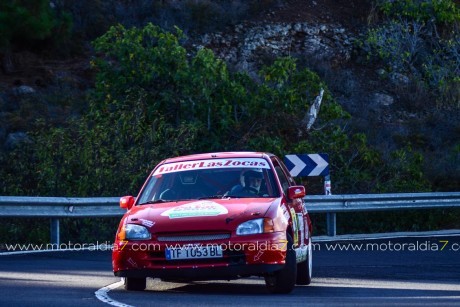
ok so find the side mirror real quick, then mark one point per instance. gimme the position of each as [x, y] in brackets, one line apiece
[127, 202]
[297, 191]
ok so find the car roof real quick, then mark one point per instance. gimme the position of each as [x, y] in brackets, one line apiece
[218, 155]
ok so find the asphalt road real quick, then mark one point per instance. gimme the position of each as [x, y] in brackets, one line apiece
[410, 271]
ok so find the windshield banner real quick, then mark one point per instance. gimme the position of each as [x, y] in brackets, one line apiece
[211, 163]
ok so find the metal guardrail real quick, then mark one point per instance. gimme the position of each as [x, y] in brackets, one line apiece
[376, 202]
[61, 207]
[333, 204]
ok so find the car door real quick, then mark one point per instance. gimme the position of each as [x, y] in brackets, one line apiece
[295, 206]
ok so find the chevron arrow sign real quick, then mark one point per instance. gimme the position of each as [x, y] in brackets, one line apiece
[304, 165]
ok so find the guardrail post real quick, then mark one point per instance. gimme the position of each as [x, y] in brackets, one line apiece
[330, 216]
[54, 229]
[331, 224]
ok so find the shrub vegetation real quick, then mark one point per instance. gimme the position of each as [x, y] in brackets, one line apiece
[38, 22]
[420, 38]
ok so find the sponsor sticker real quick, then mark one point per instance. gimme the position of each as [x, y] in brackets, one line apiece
[132, 262]
[211, 163]
[196, 209]
[295, 226]
[285, 212]
[301, 227]
[147, 223]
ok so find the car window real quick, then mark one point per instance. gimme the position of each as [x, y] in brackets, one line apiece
[283, 174]
[283, 180]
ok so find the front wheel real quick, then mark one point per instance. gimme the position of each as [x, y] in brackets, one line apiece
[135, 284]
[283, 281]
[304, 269]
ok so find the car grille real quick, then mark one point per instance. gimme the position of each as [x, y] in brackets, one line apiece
[195, 237]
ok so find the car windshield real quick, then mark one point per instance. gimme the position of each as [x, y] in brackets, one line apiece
[218, 178]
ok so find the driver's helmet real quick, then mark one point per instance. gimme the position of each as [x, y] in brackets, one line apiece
[253, 179]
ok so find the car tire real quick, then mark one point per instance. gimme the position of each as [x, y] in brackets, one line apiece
[304, 269]
[283, 281]
[135, 284]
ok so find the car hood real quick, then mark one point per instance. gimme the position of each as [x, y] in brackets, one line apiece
[200, 215]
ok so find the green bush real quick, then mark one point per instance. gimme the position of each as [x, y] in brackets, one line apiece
[442, 12]
[419, 38]
[398, 43]
[25, 21]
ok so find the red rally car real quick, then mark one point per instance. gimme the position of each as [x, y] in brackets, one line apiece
[216, 216]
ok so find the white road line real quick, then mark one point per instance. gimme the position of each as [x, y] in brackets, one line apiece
[35, 251]
[103, 296]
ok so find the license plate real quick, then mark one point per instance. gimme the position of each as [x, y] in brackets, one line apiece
[193, 252]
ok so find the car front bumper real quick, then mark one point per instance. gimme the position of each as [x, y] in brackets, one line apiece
[242, 256]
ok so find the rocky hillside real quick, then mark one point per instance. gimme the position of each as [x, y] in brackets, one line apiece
[324, 36]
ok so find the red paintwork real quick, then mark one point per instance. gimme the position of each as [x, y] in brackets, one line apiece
[145, 256]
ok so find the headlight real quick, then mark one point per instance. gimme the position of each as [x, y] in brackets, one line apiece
[250, 227]
[255, 226]
[136, 232]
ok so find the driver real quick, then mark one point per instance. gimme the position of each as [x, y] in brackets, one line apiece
[250, 185]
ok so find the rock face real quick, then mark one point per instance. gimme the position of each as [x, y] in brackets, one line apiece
[14, 139]
[246, 44]
[23, 90]
[382, 100]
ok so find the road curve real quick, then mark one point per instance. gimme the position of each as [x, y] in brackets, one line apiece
[403, 271]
